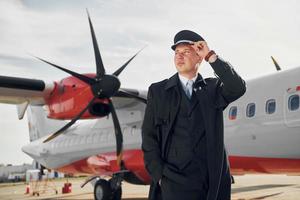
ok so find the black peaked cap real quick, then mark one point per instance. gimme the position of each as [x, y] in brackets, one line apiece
[186, 36]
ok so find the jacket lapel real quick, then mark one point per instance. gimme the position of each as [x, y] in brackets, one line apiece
[172, 102]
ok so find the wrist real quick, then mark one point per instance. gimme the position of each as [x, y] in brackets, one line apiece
[211, 56]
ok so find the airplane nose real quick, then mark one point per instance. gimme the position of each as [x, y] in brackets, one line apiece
[31, 150]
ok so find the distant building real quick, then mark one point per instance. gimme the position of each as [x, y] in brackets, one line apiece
[34, 175]
[14, 173]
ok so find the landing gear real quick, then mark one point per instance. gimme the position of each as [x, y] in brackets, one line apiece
[108, 190]
[116, 186]
[102, 190]
[117, 194]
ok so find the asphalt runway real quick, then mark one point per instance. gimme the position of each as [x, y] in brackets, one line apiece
[248, 187]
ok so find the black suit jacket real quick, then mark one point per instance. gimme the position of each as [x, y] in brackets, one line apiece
[214, 95]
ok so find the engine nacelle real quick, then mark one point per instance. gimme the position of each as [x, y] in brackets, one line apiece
[70, 96]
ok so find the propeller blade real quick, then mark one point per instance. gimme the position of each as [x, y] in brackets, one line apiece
[118, 133]
[99, 63]
[81, 77]
[60, 131]
[118, 71]
[129, 94]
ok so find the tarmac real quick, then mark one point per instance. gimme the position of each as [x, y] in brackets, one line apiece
[247, 187]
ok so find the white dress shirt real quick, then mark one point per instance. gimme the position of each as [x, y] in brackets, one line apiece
[184, 82]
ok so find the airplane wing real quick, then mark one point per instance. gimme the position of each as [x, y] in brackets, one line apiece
[15, 90]
[23, 92]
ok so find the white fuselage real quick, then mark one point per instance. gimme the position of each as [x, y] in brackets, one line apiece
[275, 135]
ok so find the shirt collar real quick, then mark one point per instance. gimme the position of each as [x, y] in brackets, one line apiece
[184, 80]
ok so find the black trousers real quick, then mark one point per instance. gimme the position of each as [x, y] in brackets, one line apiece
[195, 188]
[171, 190]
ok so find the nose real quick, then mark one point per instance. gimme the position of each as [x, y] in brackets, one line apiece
[179, 54]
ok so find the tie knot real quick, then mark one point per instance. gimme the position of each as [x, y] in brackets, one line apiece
[189, 83]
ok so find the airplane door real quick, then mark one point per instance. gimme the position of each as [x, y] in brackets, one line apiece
[292, 107]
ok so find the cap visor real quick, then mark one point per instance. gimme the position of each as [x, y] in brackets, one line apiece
[180, 42]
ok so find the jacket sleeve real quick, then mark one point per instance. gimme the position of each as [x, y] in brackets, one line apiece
[150, 141]
[230, 86]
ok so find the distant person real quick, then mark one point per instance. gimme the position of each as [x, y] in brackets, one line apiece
[182, 133]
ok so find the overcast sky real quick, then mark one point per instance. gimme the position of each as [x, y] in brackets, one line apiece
[245, 32]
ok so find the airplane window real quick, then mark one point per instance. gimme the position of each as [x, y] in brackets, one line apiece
[293, 102]
[270, 106]
[250, 110]
[233, 113]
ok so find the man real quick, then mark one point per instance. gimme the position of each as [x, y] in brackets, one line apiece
[182, 133]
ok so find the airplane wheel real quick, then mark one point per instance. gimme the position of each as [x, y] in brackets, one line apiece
[102, 190]
[117, 195]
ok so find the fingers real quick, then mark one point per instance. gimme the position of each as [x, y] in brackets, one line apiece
[199, 45]
[201, 48]
[195, 47]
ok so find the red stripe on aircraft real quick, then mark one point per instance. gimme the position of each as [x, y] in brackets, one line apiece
[105, 164]
[254, 165]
